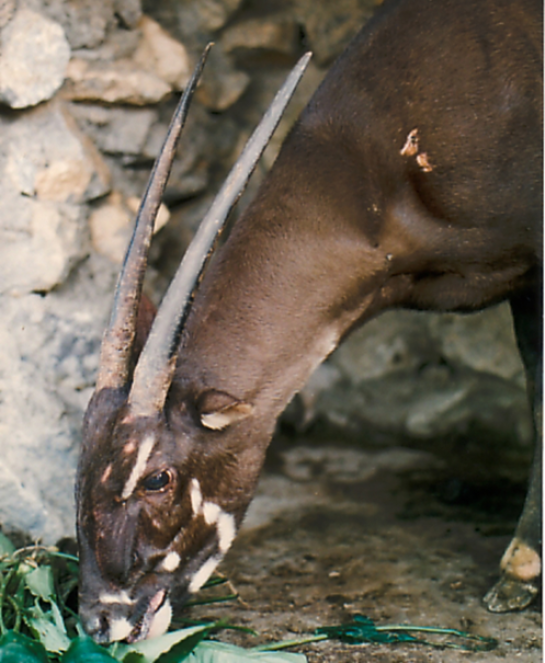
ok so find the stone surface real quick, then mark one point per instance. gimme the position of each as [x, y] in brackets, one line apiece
[120, 82]
[129, 11]
[162, 55]
[48, 359]
[425, 377]
[85, 22]
[193, 21]
[7, 11]
[330, 26]
[222, 84]
[280, 35]
[46, 177]
[121, 131]
[112, 223]
[34, 55]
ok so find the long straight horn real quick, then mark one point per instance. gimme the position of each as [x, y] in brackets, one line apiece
[118, 339]
[154, 371]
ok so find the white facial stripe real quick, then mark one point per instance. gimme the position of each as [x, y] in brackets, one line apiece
[161, 621]
[144, 451]
[203, 573]
[196, 496]
[121, 597]
[120, 629]
[171, 562]
[226, 531]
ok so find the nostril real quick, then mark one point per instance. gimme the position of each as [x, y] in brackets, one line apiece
[102, 633]
[103, 623]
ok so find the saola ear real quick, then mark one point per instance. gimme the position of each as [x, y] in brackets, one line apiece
[217, 409]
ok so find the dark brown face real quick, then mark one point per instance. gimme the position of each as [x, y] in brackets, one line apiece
[154, 521]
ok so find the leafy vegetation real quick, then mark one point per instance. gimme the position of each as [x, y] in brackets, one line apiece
[38, 625]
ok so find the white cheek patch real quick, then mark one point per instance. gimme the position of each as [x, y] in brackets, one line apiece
[144, 451]
[196, 496]
[120, 598]
[211, 512]
[170, 563]
[203, 573]
[161, 621]
[120, 629]
[213, 515]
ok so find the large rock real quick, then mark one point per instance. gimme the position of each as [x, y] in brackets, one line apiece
[34, 54]
[47, 366]
[85, 22]
[46, 176]
[329, 26]
[427, 379]
[120, 82]
[163, 55]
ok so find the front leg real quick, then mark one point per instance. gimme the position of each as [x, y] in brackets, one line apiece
[521, 563]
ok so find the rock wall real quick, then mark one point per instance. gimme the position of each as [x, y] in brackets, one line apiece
[86, 92]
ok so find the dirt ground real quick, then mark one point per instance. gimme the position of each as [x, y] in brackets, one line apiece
[391, 533]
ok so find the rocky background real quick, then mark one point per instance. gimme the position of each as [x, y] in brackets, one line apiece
[86, 92]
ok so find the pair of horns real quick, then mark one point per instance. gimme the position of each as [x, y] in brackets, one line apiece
[155, 368]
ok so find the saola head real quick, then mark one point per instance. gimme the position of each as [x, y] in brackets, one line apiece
[163, 481]
[160, 501]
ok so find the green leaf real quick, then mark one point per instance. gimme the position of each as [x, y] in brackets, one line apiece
[6, 546]
[362, 630]
[17, 648]
[181, 650]
[221, 652]
[153, 648]
[47, 628]
[134, 657]
[40, 583]
[85, 650]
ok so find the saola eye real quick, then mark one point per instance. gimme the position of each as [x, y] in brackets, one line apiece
[157, 481]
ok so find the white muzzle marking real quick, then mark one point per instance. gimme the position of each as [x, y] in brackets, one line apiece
[120, 629]
[161, 620]
[170, 562]
[121, 597]
[204, 573]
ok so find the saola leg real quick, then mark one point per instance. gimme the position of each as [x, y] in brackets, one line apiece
[521, 563]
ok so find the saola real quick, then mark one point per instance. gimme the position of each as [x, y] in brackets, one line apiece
[412, 179]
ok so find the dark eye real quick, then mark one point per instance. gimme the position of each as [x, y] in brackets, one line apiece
[157, 481]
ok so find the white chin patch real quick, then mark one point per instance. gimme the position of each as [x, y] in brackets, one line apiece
[120, 629]
[161, 620]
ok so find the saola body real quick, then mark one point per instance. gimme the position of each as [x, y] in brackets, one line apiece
[412, 179]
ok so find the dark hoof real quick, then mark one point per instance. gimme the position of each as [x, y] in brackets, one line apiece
[509, 594]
